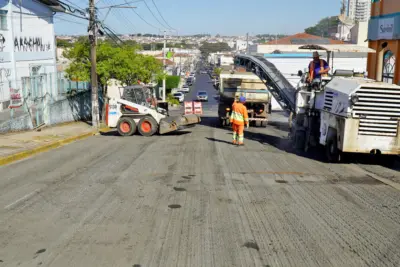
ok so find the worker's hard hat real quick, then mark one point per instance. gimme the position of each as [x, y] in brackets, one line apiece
[242, 99]
[315, 54]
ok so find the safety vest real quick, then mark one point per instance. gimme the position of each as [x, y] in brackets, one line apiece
[239, 115]
[312, 69]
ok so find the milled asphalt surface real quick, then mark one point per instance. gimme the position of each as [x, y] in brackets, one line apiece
[193, 199]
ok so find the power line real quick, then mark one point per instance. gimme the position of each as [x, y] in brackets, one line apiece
[151, 25]
[73, 4]
[118, 17]
[161, 15]
[71, 21]
[125, 18]
[153, 14]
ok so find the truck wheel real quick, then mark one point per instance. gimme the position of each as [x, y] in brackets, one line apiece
[126, 126]
[147, 126]
[221, 122]
[332, 151]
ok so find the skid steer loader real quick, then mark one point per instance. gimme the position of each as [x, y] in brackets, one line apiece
[138, 110]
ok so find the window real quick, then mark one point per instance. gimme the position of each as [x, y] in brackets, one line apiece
[389, 61]
[3, 20]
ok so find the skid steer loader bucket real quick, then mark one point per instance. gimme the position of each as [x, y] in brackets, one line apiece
[175, 123]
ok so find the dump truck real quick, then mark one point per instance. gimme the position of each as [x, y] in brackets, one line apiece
[236, 83]
[138, 110]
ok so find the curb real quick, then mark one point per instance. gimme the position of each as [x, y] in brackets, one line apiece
[27, 153]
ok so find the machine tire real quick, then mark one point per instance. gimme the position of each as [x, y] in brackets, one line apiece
[332, 151]
[258, 123]
[147, 126]
[126, 126]
[299, 139]
[264, 124]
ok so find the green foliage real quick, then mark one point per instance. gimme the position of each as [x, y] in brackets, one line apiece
[171, 100]
[217, 71]
[207, 48]
[160, 46]
[170, 82]
[323, 27]
[118, 62]
[63, 43]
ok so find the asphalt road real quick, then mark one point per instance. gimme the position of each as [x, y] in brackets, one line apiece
[203, 83]
[193, 199]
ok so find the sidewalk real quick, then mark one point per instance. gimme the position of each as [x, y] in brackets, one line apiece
[14, 146]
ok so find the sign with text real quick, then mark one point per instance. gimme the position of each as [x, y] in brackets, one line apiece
[386, 28]
[16, 98]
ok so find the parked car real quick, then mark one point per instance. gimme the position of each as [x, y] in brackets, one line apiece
[185, 89]
[180, 96]
[202, 96]
[189, 81]
[203, 72]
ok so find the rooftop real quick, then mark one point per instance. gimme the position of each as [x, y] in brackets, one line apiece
[304, 38]
[53, 5]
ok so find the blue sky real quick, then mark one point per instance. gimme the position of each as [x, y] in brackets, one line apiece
[226, 17]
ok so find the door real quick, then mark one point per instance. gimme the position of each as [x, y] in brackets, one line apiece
[389, 63]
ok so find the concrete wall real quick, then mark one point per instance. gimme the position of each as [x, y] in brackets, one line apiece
[20, 123]
[359, 34]
[74, 108]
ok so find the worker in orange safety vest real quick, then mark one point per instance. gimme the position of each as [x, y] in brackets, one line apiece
[317, 68]
[239, 118]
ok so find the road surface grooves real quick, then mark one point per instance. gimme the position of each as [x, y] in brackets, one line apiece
[193, 199]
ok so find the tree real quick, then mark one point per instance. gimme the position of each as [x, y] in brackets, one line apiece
[122, 63]
[217, 71]
[170, 82]
[323, 27]
[207, 48]
[63, 43]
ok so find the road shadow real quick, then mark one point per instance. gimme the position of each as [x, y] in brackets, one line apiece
[318, 153]
[176, 133]
[281, 125]
[218, 140]
[110, 133]
[210, 121]
[115, 133]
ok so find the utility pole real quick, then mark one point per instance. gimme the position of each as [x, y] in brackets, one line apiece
[164, 52]
[93, 76]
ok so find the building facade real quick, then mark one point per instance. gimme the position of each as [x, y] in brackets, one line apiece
[359, 10]
[27, 46]
[384, 38]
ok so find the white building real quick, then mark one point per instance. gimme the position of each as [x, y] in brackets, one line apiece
[242, 45]
[27, 44]
[359, 10]
[359, 34]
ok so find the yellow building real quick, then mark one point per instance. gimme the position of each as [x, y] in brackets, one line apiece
[384, 38]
